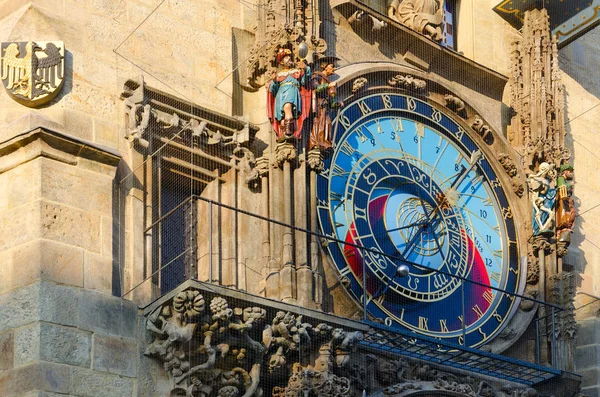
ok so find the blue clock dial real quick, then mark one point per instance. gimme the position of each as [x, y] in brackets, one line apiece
[407, 181]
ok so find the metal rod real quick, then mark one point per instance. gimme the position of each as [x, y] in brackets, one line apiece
[364, 277]
[464, 319]
[156, 272]
[198, 152]
[537, 341]
[167, 214]
[333, 239]
[210, 242]
[554, 360]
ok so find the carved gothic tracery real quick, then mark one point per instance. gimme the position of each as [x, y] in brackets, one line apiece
[537, 94]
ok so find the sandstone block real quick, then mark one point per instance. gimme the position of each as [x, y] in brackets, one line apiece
[590, 376]
[591, 391]
[107, 314]
[99, 273]
[78, 124]
[587, 356]
[19, 225]
[20, 307]
[109, 236]
[76, 187]
[6, 351]
[110, 8]
[115, 355]
[41, 259]
[54, 343]
[70, 225]
[59, 304]
[38, 376]
[21, 185]
[588, 332]
[88, 383]
[106, 133]
[27, 341]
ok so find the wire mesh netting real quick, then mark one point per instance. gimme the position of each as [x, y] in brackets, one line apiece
[400, 219]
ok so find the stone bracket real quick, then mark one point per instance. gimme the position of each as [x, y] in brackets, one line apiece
[149, 109]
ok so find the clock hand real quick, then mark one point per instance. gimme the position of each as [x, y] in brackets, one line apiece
[407, 226]
[475, 156]
[432, 227]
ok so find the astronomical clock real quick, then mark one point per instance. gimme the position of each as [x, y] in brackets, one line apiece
[422, 225]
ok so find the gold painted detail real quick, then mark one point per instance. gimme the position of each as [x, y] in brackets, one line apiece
[32, 72]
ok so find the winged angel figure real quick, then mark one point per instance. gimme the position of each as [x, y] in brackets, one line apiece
[32, 76]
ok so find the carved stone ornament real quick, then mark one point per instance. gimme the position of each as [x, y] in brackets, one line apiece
[483, 130]
[315, 159]
[407, 82]
[210, 348]
[455, 104]
[284, 151]
[32, 72]
[362, 20]
[423, 16]
[149, 109]
[359, 84]
[248, 164]
[275, 30]
[537, 129]
[511, 170]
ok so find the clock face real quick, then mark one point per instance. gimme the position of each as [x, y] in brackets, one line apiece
[407, 181]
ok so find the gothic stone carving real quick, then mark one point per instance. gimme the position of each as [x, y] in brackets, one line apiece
[424, 380]
[511, 169]
[423, 16]
[483, 130]
[284, 151]
[144, 111]
[455, 104]
[276, 31]
[315, 159]
[358, 84]
[362, 21]
[29, 77]
[537, 128]
[212, 349]
[407, 82]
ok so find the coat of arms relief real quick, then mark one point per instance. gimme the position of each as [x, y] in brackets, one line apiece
[32, 72]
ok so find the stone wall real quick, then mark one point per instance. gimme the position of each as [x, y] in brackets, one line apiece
[183, 47]
[582, 113]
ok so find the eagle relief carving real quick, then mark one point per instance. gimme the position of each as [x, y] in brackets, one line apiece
[32, 72]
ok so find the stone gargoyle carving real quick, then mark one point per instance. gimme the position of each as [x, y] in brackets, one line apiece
[210, 349]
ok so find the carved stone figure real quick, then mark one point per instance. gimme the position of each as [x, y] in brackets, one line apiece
[324, 99]
[288, 96]
[455, 104]
[542, 197]
[407, 82]
[423, 16]
[358, 84]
